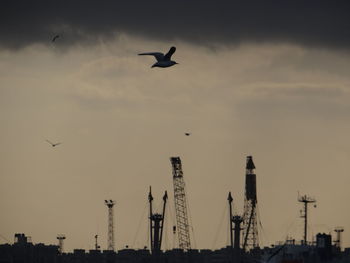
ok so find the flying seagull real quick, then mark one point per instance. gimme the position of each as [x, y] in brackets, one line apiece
[187, 133]
[53, 144]
[55, 37]
[163, 61]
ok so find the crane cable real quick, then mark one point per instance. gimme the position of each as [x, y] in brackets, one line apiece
[4, 238]
[139, 225]
[190, 218]
[264, 235]
[173, 221]
[219, 226]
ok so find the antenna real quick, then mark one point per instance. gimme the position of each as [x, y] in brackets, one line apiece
[306, 200]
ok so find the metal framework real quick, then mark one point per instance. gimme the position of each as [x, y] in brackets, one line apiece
[110, 241]
[250, 219]
[236, 220]
[180, 204]
[156, 222]
[306, 200]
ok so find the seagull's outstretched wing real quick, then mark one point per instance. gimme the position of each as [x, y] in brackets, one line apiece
[55, 37]
[168, 55]
[159, 56]
[49, 142]
[57, 144]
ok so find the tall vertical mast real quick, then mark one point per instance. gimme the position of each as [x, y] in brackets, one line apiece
[180, 204]
[156, 225]
[251, 238]
[230, 199]
[306, 200]
[236, 220]
[165, 198]
[150, 200]
[110, 241]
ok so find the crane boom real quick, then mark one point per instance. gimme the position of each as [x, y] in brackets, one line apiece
[180, 204]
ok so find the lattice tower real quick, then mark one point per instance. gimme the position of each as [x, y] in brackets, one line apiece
[110, 241]
[180, 204]
[250, 219]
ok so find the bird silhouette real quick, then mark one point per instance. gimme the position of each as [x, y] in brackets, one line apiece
[187, 133]
[53, 144]
[163, 61]
[54, 38]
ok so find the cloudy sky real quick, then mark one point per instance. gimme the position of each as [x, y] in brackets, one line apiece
[264, 78]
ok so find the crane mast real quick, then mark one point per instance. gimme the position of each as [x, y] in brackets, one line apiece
[180, 204]
[156, 221]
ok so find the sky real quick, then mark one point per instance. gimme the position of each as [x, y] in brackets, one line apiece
[268, 79]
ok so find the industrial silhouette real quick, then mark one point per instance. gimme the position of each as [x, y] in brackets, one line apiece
[110, 241]
[248, 251]
[156, 224]
[250, 220]
[304, 213]
[183, 230]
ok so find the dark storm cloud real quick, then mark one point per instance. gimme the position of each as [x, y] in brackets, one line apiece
[316, 23]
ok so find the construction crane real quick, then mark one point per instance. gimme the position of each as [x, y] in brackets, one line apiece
[250, 220]
[180, 204]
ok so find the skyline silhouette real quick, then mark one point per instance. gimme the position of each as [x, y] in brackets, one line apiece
[276, 91]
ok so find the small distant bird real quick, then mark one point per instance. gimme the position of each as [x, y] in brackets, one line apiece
[187, 133]
[55, 37]
[53, 144]
[163, 61]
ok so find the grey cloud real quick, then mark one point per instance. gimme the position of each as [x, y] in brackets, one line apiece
[321, 23]
[316, 91]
